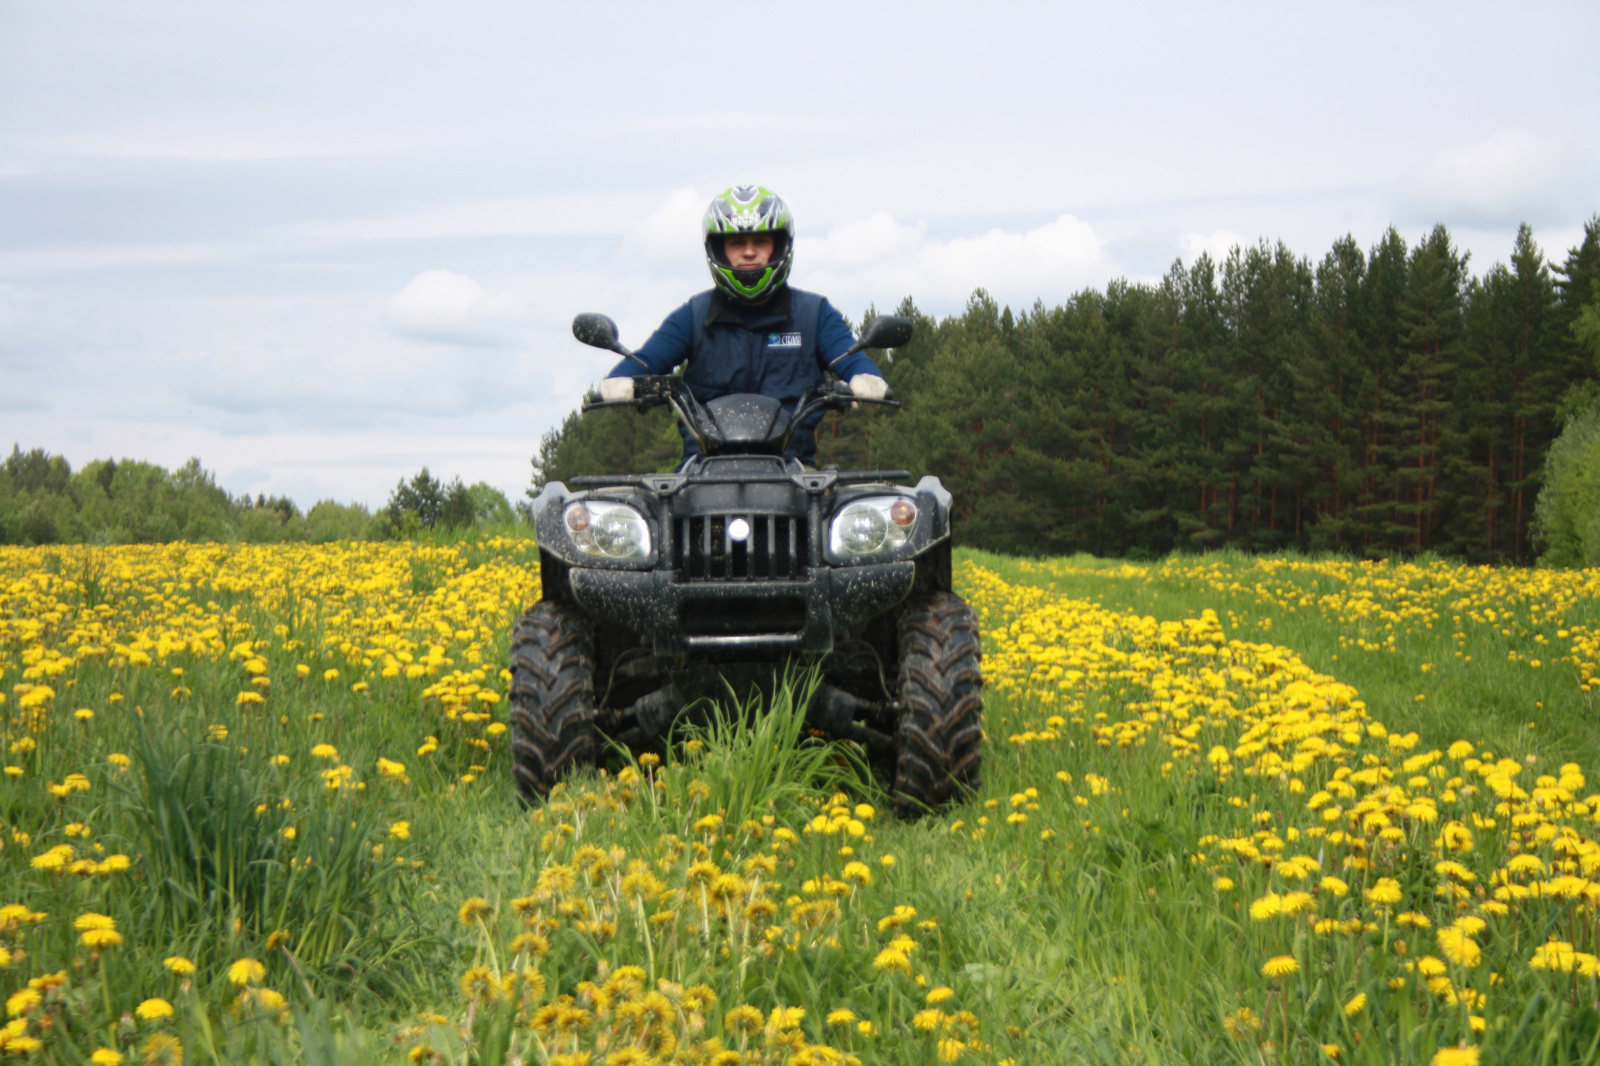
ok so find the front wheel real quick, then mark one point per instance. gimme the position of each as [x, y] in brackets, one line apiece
[937, 756]
[552, 697]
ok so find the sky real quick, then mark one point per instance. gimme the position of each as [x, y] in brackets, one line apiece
[320, 246]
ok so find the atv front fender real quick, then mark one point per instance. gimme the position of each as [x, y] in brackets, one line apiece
[679, 617]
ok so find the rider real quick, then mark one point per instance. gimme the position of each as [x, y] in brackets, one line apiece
[753, 332]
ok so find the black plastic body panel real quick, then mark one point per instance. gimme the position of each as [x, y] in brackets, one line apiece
[757, 574]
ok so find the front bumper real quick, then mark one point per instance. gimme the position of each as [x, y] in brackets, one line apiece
[803, 615]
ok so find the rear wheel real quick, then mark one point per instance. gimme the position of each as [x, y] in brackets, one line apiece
[552, 697]
[937, 756]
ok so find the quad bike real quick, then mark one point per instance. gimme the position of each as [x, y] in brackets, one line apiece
[661, 590]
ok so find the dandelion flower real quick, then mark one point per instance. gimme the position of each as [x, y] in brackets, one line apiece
[479, 983]
[841, 1017]
[1455, 1056]
[1385, 893]
[246, 972]
[786, 1017]
[1280, 966]
[162, 1049]
[23, 1001]
[1460, 948]
[154, 1009]
[100, 939]
[1267, 907]
[178, 965]
[1356, 1005]
[106, 1057]
[472, 909]
[743, 1019]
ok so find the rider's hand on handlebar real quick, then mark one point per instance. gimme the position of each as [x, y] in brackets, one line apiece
[869, 387]
[616, 390]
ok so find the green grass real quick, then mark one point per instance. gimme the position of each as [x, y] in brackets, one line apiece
[1102, 944]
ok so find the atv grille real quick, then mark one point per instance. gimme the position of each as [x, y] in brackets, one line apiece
[775, 548]
[742, 616]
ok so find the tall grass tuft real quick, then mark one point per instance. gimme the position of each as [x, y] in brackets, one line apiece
[226, 872]
[751, 755]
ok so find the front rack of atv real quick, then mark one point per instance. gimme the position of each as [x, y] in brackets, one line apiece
[668, 484]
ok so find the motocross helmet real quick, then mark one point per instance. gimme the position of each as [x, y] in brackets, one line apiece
[749, 209]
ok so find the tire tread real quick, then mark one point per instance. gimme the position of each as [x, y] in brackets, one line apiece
[938, 741]
[552, 698]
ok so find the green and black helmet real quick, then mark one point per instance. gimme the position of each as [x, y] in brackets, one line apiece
[749, 209]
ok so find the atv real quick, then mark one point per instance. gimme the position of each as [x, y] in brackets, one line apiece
[663, 591]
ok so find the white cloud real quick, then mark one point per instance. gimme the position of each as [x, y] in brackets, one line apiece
[882, 259]
[237, 141]
[575, 214]
[1509, 177]
[112, 257]
[1217, 244]
[38, 331]
[441, 305]
[671, 233]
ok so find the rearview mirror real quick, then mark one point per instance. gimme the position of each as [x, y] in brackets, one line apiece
[595, 330]
[886, 331]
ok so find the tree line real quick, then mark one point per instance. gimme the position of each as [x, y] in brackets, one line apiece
[44, 501]
[1377, 402]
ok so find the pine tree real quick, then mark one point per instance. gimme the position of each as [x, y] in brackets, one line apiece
[1511, 383]
[1432, 316]
[1379, 405]
[1339, 349]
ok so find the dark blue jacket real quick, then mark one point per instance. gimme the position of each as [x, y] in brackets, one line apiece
[778, 349]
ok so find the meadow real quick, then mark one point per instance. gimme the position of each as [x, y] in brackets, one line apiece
[257, 808]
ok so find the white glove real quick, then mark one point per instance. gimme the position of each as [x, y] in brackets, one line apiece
[869, 386]
[614, 389]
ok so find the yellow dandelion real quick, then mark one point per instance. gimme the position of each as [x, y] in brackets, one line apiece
[155, 1009]
[247, 972]
[1280, 966]
[23, 1001]
[479, 983]
[162, 1049]
[1386, 892]
[100, 939]
[743, 1019]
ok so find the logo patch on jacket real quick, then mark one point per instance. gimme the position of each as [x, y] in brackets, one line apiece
[783, 340]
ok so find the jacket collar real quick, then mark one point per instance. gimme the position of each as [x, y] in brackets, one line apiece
[771, 313]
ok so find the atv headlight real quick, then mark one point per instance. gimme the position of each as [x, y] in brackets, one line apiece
[876, 524]
[608, 530]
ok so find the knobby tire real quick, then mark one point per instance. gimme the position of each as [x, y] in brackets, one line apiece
[938, 756]
[552, 697]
